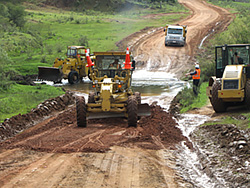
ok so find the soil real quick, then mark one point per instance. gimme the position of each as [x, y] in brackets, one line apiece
[45, 148]
[224, 151]
[61, 134]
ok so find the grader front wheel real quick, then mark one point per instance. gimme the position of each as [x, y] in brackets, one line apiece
[132, 110]
[217, 103]
[81, 111]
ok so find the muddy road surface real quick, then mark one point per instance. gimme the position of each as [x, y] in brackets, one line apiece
[151, 53]
[46, 149]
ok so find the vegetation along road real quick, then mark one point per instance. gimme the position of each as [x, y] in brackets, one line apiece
[51, 151]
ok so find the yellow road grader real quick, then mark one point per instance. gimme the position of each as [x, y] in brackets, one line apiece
[72, 68]
[112, 95]
[231, 85]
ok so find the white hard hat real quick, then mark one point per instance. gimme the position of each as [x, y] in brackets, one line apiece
[197, 66]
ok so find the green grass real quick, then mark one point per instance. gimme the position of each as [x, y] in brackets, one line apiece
[242, 123]
[21, 98]
[199, 101]
[48, 32]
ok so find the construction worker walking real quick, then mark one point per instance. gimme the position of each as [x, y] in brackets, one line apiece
[196, 78]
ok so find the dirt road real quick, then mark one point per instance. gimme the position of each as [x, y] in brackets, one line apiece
[152, 54]
[55, 153]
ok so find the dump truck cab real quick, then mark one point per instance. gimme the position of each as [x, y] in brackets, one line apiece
[175, 35]
[230, 84]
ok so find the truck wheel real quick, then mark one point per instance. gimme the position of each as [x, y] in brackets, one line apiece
[132, 110]
[81, 111]
[217, 103]
[73, 77]
[138, 97]
[91, 98]
[247, 95]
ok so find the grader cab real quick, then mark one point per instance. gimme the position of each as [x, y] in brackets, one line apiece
[72, 68]
[231, 85]
[112, 95]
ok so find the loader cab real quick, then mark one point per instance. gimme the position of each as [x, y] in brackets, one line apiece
[75, 51]
[232, 55]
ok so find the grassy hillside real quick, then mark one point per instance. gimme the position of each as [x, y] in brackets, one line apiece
[35, 32]
[49, 30]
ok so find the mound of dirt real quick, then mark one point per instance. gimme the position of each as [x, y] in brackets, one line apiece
[18, 123]
[61, 134]
[225, 153]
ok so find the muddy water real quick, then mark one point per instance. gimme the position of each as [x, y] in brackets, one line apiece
[158, 87]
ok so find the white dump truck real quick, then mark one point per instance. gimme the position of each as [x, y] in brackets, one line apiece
[175, 35]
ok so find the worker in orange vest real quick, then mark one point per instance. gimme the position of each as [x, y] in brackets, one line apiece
[196, 78]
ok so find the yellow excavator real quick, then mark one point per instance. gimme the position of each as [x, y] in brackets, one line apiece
[72, 68]
[112, 94]
[231, 85]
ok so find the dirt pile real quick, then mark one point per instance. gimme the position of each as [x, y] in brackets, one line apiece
[18, 123]
[157, 131]
[61, 134]
[225, 153]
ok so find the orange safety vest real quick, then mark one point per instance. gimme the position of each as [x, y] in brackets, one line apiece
[197, 76]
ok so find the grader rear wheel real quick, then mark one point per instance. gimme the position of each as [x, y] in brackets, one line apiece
[247, 95]
[81, 111]
[132, 110]
[217, 103]
[138, 97]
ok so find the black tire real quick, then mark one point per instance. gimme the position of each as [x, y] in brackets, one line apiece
[217, 103]
[247, 95]
[81, 111]
[91, 98]
[73, 77]
[132, 110]
[138, 97]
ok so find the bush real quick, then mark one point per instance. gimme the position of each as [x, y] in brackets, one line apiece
[83, 41]
[5, 70]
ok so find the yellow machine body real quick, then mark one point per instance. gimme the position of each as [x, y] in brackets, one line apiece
[231, 85]
[75, 62]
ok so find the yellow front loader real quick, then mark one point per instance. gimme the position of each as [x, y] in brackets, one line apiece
[112, 95]
[72, 68]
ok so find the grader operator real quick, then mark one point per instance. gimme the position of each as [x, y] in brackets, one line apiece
[231, 85]
[112, 96]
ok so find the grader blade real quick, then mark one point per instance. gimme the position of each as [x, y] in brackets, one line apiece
[102, 115]
[143, 110]
[50, 74]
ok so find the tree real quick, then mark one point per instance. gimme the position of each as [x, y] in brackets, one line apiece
[16, 15]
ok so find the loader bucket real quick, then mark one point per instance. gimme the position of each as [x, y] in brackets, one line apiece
[50, 74]
[143, 110]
